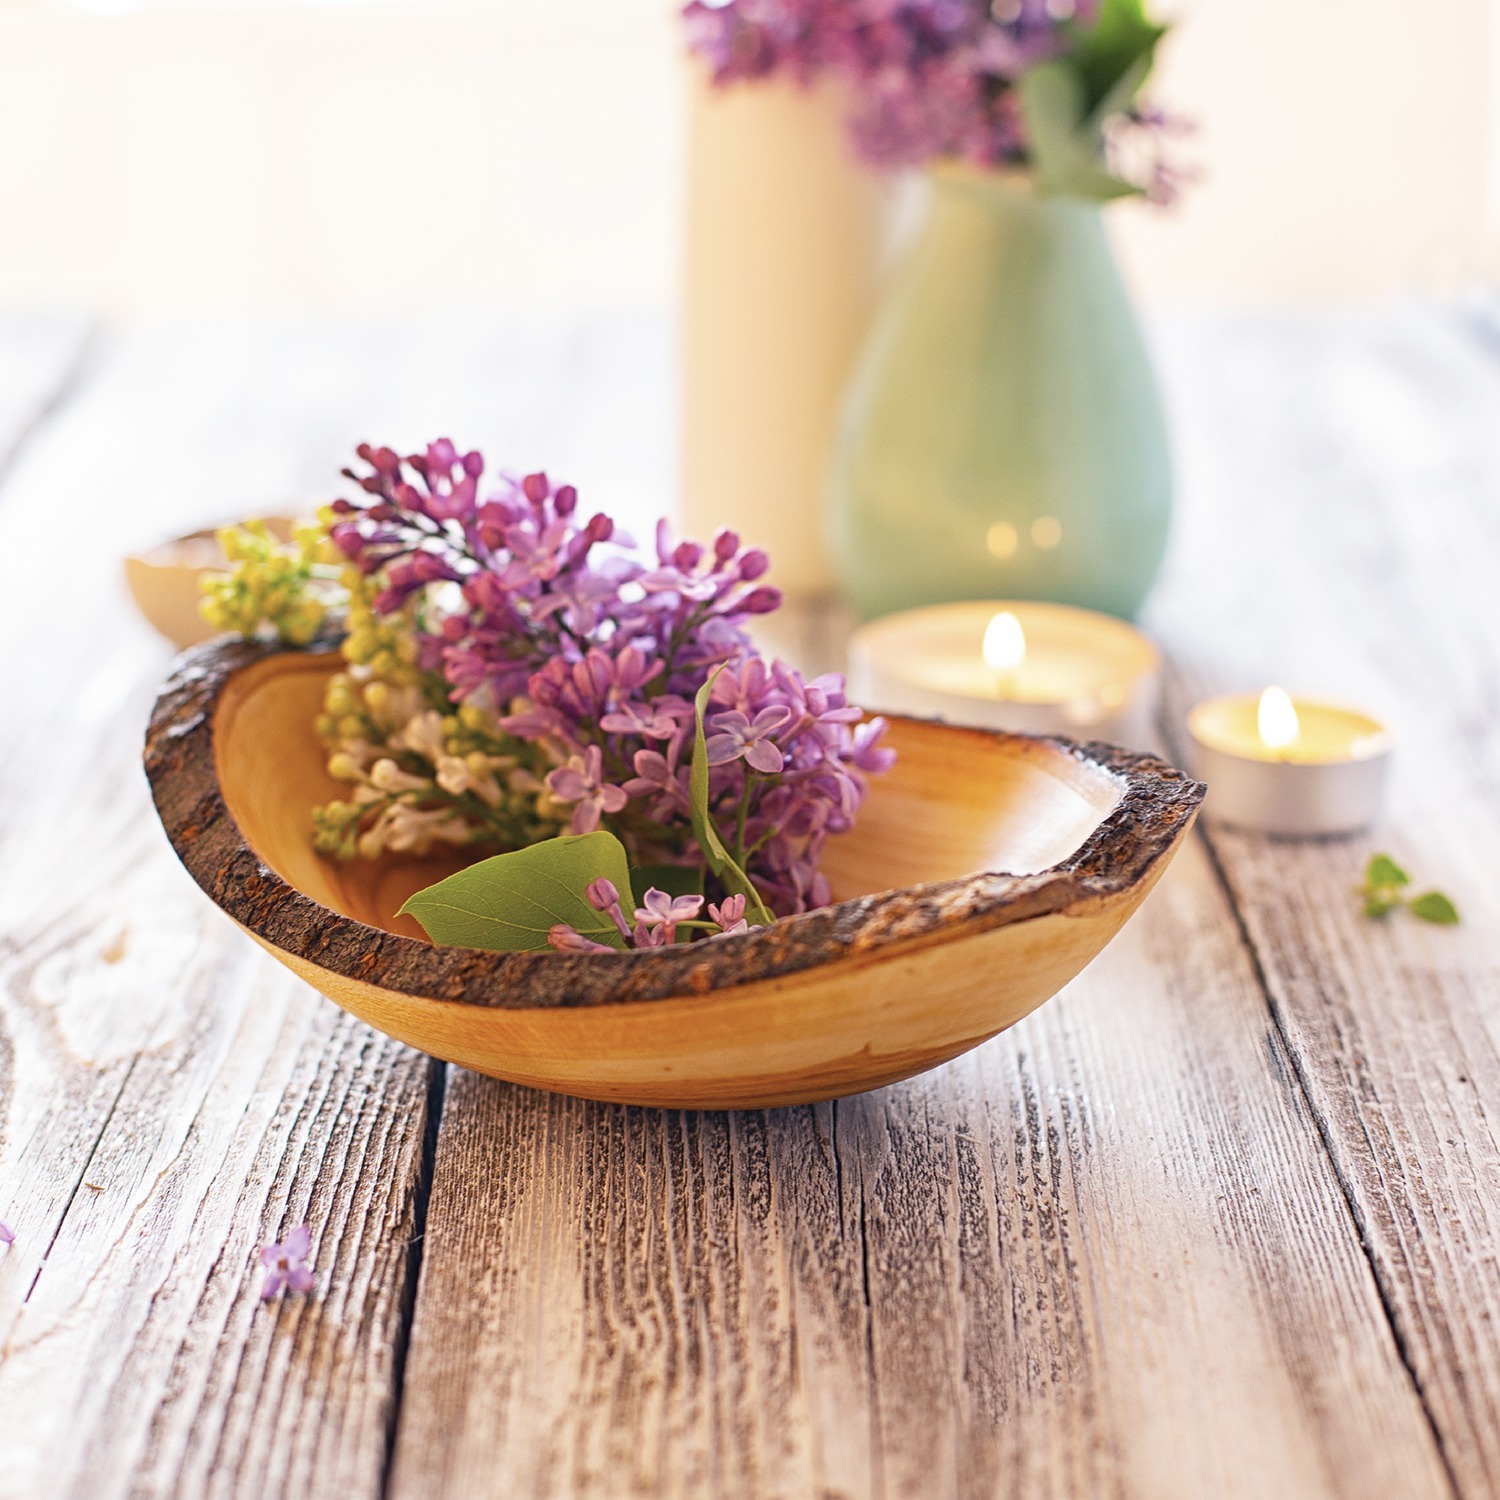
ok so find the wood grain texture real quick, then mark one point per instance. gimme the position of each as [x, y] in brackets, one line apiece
[1159, 1240]
[1342, 531]
[1102, 1255]
[169, 1097]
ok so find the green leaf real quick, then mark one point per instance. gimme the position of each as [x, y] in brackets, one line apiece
[509, 903]
[718, 857]
[1380, 906]
[1434, 906]
[1066, 150]
[1384, 874]
[1120, 45]
[675, 880]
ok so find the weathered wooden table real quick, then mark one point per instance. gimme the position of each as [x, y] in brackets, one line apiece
[1221, 1219]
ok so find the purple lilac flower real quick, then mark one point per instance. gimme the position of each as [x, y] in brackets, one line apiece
[604, 896]
[520, 606]
[7, 1234]
[581, 782]
[567, 939]
[730, 915]
[657, 920]
[660, 913]
[734, 736]
[286, 1264]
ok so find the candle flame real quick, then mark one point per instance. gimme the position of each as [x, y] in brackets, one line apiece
[1277, 719]
[1004, 643]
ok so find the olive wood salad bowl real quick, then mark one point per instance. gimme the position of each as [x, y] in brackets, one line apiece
[985, 871]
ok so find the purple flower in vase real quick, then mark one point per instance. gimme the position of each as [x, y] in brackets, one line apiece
[581, 781]
[926, 80]
[286, 1264]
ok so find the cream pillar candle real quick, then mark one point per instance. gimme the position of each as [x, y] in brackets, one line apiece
[784, 237]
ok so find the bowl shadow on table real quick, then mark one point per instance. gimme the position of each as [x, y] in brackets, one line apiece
[922, 959]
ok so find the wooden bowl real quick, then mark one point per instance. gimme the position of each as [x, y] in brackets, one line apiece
[166, 582]
[929, 951]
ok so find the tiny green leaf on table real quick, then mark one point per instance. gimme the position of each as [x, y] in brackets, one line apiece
[510, 903]
[1385, 890]
[1434, 906]
[1384, 873]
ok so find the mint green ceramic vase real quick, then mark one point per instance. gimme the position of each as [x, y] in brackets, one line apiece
[1002, 436]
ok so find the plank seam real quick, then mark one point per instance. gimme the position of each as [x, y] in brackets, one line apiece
[82, 1177]
[876, 1448]
[437, 1088]
[1326, 1140]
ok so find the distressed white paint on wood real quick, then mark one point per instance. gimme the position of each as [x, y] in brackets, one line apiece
[1105, 1254]
[168, 1096]
[39, 353]
[1342, 535]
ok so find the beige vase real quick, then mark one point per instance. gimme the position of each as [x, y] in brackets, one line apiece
[784, 243]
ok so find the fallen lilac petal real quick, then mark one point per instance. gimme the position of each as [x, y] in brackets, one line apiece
[286, 1264]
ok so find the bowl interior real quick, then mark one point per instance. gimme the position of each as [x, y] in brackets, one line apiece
[957, 802]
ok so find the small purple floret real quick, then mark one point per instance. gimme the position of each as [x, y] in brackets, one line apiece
[567, 939]
[286, 1264]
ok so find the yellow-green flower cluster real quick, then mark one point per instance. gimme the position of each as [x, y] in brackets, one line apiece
[424, 775]
[383, 643]
[270, 586]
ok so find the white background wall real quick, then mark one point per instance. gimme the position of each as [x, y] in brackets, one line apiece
[179, 155]
[191, 154]
[1348, 147]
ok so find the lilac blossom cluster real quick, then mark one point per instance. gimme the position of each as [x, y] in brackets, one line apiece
[927, 79]
[553, 629]
[657, 919]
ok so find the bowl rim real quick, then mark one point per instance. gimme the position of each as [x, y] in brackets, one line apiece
[1157, 803]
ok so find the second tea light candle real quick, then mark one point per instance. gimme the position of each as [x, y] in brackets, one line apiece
[1291, 766]
[1020, 665]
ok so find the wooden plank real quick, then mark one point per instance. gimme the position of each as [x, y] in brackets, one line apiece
[1342, 536]
[1104, 1254]
[169, 1096]
[40, 353]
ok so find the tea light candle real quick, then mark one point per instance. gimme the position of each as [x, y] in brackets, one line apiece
[1277, 764]
[1026, 666]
